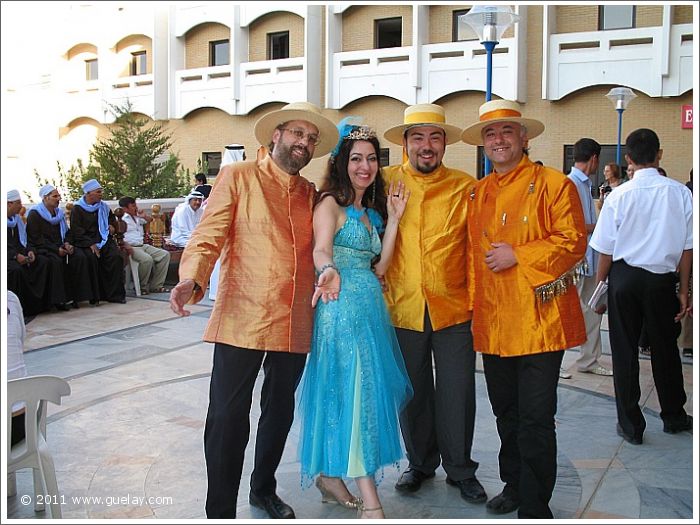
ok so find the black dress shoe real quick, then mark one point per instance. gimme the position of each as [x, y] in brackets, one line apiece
[470, 489]
[679, 426]
[635, 439]
[505, 503]
[62, 307]
[119, 301]
[273, 505]
[411, 480]
[76, 305]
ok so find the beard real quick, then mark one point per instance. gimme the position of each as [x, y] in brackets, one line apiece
[426, 166]
[282, 154]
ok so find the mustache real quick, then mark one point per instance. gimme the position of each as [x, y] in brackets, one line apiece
[302, 149]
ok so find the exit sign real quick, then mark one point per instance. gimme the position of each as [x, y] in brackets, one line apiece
[687, 116]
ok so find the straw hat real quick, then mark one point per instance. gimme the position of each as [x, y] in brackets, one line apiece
[422, 115]
[327, 131]
[500, 111]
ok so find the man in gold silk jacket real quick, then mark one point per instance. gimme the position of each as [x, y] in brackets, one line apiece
[258, 220]
[527, 239]
[426, 292]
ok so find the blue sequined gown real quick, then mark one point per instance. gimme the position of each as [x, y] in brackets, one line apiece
[355, 382]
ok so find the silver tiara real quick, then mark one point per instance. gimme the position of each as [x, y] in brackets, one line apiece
[361, 133]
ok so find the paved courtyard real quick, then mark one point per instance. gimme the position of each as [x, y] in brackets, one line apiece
[127, 443]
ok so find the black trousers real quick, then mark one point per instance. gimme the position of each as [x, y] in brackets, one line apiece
[523, 395]
[438, 422]
[227, 429]
[636, 298]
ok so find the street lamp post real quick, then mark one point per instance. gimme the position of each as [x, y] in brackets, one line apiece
[489, 23]
[620, 97]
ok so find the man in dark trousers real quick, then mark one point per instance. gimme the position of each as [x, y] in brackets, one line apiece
[644, 235]
[259, 219]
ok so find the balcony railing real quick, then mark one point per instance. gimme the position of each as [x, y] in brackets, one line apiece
[629, 57]
[267, 81]
[204, 87]
[387, 72]
[461, 66]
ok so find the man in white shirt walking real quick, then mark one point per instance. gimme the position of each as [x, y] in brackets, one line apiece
[644, 234]
[153, 262]
[586, 160]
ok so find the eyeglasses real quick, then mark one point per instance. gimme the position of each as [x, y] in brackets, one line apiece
[300, 134]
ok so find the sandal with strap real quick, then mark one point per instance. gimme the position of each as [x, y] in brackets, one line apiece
[362, 510]
[162, 289]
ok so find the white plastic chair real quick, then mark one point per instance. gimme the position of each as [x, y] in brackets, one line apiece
[134, 267]
[33, 452]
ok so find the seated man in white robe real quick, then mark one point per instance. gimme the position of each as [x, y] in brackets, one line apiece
[185, 217]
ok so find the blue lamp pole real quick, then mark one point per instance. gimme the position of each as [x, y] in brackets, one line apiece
[620, 97]
[489, 23]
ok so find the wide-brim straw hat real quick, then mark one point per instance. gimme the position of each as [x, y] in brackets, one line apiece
[423, 115]
[500, 111]
[327, 131]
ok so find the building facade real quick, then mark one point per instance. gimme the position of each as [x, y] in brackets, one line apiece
[208, 71]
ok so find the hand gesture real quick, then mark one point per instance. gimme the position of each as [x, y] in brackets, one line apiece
[21, 259]
[31, 257]
[396, 200]
[501, 257]
[180, 295]
[327, 286]
[69, 248]
[94, 249]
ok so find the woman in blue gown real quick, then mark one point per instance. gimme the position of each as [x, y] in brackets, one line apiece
[355, 382]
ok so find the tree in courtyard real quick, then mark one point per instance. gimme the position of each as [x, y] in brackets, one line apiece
[136, 160]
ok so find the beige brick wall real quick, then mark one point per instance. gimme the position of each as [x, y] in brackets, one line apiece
[132, 44]
[649, 15]
[358, 25]
[274, 23]
[575, 18]
[197, 43]
[441, 22]
[683, 14]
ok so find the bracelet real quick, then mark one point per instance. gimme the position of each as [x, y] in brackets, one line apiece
[326, 266]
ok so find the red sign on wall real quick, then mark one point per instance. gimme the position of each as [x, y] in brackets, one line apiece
[687, 116]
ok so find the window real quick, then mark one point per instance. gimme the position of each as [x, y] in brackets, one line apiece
[219, 53]
[91, 69]
[608, 154]
[212, 160]
[138, 63]
[616, 17]
[278, 45]
[461, 30]
[387, 33]
[383, 157]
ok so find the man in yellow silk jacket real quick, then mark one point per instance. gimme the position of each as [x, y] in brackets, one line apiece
[426, 291]
[258, 219]
[527, 240]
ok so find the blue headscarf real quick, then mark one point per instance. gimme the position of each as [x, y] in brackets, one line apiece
[102, 217]
[16, 222]
[59, 219]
